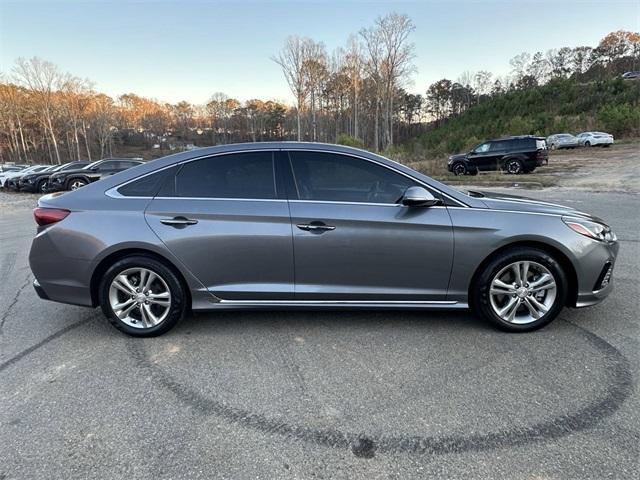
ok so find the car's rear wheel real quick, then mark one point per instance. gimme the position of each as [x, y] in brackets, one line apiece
[141, 296]
[514, 166]
[40, 188]
[587, 143]
[76, 183]
[459, 168]
[520, 290]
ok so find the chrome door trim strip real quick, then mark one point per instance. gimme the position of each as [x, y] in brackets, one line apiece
[337, 302]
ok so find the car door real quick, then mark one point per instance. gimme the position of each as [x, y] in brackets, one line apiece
[227, 220]
[481, 157]
[354, 241]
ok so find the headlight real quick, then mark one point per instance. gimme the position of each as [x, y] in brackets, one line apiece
[595, 230]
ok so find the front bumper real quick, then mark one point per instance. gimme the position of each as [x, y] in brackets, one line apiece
[27, 187]
[598, 265]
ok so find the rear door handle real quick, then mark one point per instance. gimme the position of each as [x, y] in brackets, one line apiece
[318, 227]
[178, 221]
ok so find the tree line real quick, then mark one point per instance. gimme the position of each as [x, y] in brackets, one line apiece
[355, 95]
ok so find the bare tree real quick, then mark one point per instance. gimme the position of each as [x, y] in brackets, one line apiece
[315, 73]
[482, 83]
[43, 79]
[397, 61]
[293, 61]
[519, 65]
[354, 65]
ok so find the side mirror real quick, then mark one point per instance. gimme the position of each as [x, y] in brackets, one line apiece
[94, 169]
[418, 197]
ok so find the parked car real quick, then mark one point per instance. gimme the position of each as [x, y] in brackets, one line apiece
[7, 179]
[592, 139]
[631, 75]
[512, 154]
[562, 140]
[217, 229]
[10, 168]
[37, 182]
[75, 178]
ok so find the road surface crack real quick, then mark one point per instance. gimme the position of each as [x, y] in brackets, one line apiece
[13, 302]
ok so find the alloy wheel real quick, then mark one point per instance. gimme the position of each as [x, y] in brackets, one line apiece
[459, 169]
[522, 292]
[76, 184]
[514, 167]
[140, 298]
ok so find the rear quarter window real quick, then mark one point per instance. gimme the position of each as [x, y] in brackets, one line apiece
[149, 185]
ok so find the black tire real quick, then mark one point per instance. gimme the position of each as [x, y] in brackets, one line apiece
[513, 166]
[587, 143]
[179, 296]
[459, 168]
[40, 186]
[480, 296]
[76, 183]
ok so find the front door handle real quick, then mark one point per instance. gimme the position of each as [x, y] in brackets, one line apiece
[178, 221]
[317, 227]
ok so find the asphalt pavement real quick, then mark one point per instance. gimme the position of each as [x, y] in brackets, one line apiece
[321, 395]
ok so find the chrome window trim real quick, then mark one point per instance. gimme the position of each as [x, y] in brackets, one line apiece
[370, 204]
[113, 191]
[219, 199]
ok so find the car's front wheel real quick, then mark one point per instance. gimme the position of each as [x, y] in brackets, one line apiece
[459, 168]
[76, 183]
[520, 290]
[142, 297]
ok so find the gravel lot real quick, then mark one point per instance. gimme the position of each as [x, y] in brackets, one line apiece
[391, 395]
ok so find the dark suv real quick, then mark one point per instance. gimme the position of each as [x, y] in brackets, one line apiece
[37, 182]
[512, 154]
[76, 178]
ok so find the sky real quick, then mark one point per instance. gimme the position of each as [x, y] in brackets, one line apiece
[188, 50]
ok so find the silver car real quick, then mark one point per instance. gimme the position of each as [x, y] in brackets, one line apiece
[562, 140]
[290, 225]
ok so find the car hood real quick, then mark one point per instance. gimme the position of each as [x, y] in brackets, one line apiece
[458, 156]
[14, 174]
[503, 201]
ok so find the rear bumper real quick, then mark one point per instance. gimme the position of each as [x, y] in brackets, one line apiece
[58, 276]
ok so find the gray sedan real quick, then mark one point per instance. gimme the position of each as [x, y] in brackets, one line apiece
[303, 225]
[562, 140]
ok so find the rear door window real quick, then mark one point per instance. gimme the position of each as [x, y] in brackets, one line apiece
[238, 175]
[500, 146]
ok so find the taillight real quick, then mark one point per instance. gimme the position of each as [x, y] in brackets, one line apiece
[47, 216]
